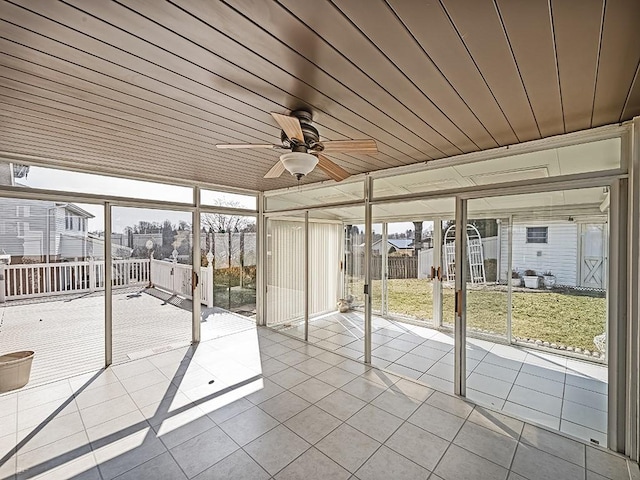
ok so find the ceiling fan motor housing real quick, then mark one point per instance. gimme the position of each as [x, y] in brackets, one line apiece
[311, 135]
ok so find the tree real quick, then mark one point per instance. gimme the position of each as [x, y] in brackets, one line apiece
[487, 227]
[224, 222]
[147, 227]
[167, 233]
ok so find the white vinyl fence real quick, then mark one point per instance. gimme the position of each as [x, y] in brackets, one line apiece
[46, 279]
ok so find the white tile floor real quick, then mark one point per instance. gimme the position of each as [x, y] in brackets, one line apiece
[277, 408]
[550, 390]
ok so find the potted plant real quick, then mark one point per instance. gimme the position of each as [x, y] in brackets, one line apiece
[531, 279]
[549, 279]
[516, 281]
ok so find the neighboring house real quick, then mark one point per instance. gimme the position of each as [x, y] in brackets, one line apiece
[118, 251]
[43, 231]
[573, 250]
[395, 246]
[40, 231]
[140, 239]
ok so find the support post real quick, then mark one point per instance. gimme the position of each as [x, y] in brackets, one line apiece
[196, 264]
[632, 447]
[306, 276]
[460, 327]
[261, 255]
[509, 284]
[436, 283]
[108, 288]
[617, 322]
[367, 268]
[384, 269]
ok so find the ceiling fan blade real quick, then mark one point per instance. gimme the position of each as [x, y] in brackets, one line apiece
[332, 169]
[356, 146]
[276, 170]
[290, 125]
[245, 145]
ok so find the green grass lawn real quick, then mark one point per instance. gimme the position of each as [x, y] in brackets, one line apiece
[559, 318]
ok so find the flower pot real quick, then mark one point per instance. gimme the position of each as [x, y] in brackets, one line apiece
[549, 281]
[531, 281]
[516, 282]
[15, 369]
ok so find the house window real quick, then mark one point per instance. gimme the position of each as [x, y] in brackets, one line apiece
[23, 211]
[537, 234]
[22, 227]
[68, 221]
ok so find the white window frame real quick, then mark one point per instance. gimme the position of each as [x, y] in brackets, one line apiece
[533, 238]
[22, 228]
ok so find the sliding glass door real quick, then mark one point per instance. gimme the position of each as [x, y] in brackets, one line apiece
[152, 294]
[536, 319]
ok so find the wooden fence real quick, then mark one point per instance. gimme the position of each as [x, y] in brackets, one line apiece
[397, 267]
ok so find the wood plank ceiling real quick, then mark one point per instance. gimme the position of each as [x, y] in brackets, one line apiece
[144, 87]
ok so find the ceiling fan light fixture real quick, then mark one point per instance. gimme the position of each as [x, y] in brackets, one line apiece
[299, 164]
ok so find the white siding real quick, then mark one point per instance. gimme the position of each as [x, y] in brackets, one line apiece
[31, 242]
[505, 270]
[560, 254]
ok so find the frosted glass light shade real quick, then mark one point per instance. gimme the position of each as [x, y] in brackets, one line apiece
[299, 163]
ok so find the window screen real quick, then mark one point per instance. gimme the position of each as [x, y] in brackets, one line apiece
[537, 234]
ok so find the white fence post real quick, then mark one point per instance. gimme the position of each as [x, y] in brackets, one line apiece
[150, 264]
[92, 275]
[209, 282]
[3, 282]
[174, 271]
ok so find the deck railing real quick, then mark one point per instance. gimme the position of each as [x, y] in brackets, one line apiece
[44, 279]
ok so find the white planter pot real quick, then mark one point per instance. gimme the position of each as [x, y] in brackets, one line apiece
[15, 369]
[549, 281]
[516, 282]
[532, 281]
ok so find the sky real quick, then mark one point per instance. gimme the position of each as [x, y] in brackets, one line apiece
[122, 217]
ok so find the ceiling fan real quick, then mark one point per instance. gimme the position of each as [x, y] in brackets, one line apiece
[301, 137]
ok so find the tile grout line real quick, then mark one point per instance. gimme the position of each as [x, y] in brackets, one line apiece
[435, 467]
[513, 384]
[343, 422]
